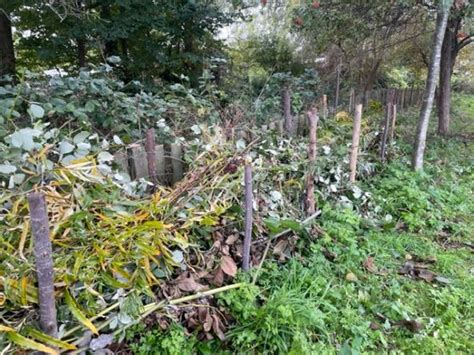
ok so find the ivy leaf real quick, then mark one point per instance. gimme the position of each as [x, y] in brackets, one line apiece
[65, 147]
[7, 169]
[105, 157]
[36, 111]
[16, 179]
[80, 137]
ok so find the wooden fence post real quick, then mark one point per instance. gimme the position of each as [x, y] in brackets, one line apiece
[355, 143]
[139, 162]
[324, 106]
[393, 123]
[160, 163]
[310, 205]
[177, 162]
[248, 215]
[151, 155]
[286, 102]
[44, 262]
[351, 101]
[386, 125]
[338, 84]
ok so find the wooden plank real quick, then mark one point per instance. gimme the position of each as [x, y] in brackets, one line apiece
[150, 155]
[121, 159]
[161, 164]
[139, 162]
[177, 162]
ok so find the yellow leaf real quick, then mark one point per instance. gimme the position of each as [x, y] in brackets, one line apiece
[76, 312]
[47, 339]
[23, 342]
[4, 328]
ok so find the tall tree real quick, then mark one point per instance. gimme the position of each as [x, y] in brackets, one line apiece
[7, 53]
[454, 41]
[433, 71]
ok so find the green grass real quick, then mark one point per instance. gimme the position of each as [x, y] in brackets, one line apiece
[308, 305]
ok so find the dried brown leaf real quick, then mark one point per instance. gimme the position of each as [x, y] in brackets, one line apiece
[218, 327]
[189, 284]
[232, 239]
[426, 275]
[218, 277]
[369, 265]
[228, 266]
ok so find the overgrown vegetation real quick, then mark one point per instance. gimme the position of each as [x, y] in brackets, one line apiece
[346, 258]
[345, 289]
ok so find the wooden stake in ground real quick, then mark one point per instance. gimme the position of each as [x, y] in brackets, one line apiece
[325, 106]
[355, 143]
[44, 262]
[286, 102]
[151, 154]
[351, 100]
[310, 205]
[248, 215]
[394, 121]
[386, 125]
[338, 84]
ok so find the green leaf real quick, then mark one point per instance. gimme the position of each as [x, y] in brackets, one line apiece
[76, 312]
[65, 147]
[36, 111]
[45, 338]
[7, 169]
[291, 224]
[80, 137]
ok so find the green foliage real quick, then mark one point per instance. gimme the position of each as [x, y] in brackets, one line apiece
[172, 341]
[153, 38]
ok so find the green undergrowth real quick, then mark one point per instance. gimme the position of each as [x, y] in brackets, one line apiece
[343, 293]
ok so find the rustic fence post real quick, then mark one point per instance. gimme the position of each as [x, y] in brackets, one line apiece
[351, 101]
[338, 84]
[138, 162]
[310, 205]
[44, 262]
[355, 143]
[324, 106]
[151, 155]
[286, 102]
[160, 163]
[393, 123]
[386, 125]
[177, 162]
[248, 215]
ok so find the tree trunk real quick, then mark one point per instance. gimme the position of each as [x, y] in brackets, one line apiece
[7, 53]
[448, 58]
[428, 98]
[81, 53]
[286, 101]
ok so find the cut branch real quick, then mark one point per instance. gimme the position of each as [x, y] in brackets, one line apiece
[44, 262]
[248, 216]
